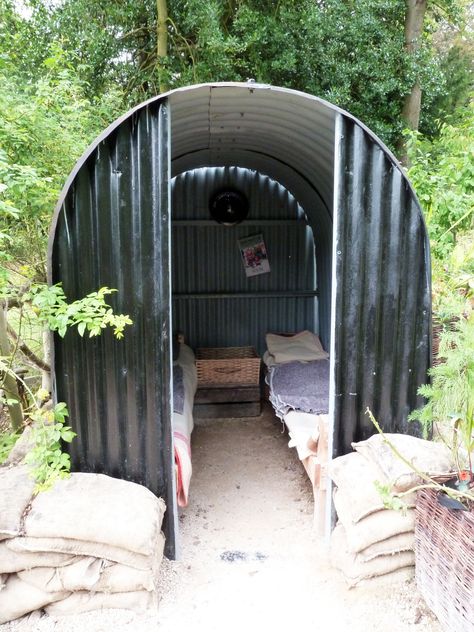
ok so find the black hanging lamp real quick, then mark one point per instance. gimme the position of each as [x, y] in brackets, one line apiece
[228, 207]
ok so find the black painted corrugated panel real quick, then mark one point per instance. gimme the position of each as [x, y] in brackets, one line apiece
[383, 301]
[114, 231]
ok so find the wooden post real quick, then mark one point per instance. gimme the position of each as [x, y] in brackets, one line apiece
[320, 504]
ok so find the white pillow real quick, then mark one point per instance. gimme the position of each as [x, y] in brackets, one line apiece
[304, 346]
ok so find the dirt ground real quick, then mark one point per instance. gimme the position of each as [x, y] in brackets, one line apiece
[249, 558]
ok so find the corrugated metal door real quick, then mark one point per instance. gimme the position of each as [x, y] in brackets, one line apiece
[381, 298]
[113, 230]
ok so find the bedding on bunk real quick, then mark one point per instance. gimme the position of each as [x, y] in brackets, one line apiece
[298, 377]
[178, 389]
[303, 346]
[300, 386]
[304, 432]
[184, 389]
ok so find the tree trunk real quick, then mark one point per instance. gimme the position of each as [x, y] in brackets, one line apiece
[162, 40]
[414, 19]
[9, 384]
[27, 352]
[46, 371]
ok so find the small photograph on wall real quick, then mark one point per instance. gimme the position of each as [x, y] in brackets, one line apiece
[254, 255]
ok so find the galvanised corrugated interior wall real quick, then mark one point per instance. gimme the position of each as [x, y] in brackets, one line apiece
[113, 230]
[382, 341]
[214, 303]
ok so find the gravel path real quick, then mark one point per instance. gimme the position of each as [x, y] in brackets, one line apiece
[249, 557]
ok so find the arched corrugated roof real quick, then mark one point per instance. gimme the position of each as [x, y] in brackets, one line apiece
[227, 123]
[284, 133]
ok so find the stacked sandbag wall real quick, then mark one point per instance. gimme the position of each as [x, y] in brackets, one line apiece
[91, 542]
[370, 541]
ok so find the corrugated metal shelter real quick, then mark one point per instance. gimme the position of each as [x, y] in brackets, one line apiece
[347, 246]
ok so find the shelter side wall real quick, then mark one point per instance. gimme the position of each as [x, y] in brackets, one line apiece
[214, 302]
[113, 231]
[383, 303]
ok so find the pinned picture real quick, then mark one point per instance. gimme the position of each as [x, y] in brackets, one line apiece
[254, 255]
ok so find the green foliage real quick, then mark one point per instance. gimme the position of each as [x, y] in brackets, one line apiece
[450, 396]
[7, 441]
[45, 125]
[46, 458]
[453, 280]
[456, 64]
[351, 53]
[390, 499]
[47, 427]
[91, 313]
[442, 172]
[461, 491]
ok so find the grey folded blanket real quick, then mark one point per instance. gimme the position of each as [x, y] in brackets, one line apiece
[178, 389]
[300, 386]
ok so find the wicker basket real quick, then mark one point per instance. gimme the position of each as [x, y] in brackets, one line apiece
[444, 553]
[239, 366]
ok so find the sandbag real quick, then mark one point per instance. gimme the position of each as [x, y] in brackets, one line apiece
[354, 474]
[18, 598]
[400, 576]
[93, 549]
[376, 527]
[94, 574]
[90, 574]
[12, 560]
[139, 601]
[16, 490]
[28, 621]
[121, 578]
[80, 575]
[429, 457]
[389, 546]
[356, 503]
[98, 508]
[355, 569]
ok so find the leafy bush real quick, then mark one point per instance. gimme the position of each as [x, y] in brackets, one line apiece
[442, 172]
[450, 396]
